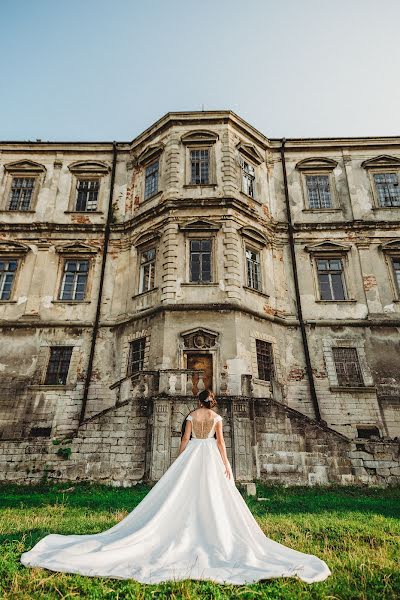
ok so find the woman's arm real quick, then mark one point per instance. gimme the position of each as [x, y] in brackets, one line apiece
[186, 436]
[222, 448]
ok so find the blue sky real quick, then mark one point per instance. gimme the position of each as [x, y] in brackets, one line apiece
[105, 70]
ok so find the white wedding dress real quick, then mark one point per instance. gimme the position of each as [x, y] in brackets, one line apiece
[193, 524]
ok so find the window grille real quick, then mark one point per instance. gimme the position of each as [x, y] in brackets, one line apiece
[136, 356]
[387, 188]
[73, 286]
[200, 260]
[347, 366]
[151, 180]
[8, 269]
[319, 194]
[264, 360]
[147, 270]
[199, 163]
[87, 191]
[330, 278]
[58, 366]
[253, 269]
[21, 193]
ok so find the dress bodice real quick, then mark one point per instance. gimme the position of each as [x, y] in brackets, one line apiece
[203, 429]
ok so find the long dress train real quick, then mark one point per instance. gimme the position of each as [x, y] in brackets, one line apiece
[193, 524]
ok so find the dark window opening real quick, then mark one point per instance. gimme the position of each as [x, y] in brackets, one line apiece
[200, 260]
[40, 432]
[387, 188]
[319, 195]
[264, 360]
[21, 193]
[8, 269]
[87, 191]
[347, 366]
[57, 369]
[199, 166]
[367, 432]
[151, 180]
[136, 356]
[73, 286]
[330, 279]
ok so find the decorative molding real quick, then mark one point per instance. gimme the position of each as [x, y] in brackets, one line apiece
[199, 225]
[13, 248]
[148, 236]
[327, 246]
[316, 164]
[89, 167]
[392, 246]
[199, 339]
[254, 235]
[199, 137]
[383, 161]
[250, 152]
[24, 166]
[150, 154]
[76, 248]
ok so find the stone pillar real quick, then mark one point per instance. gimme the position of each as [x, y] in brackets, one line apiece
[241, 440]
[161, 438]
[232, 272]
[169, 262]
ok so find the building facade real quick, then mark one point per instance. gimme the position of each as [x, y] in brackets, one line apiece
[202, 254]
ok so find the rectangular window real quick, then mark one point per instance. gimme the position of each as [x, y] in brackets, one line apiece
[87, 191]
[264, 360]
[199, 166]
[57, 369]
[253, 269]
[200, 260]
[396, 271]
[151, 180]
[319, 194]
[73, 286]
[136, 356]
[347, 367]
[21, 193]
[387, 188]
[248, 179]
[147, 270]
[8, 269]
[330, 279]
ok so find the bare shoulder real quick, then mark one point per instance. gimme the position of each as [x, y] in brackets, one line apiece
[214, 414]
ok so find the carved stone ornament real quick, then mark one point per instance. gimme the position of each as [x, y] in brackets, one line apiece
[199, 339]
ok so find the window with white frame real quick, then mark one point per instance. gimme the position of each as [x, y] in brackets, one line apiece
[58, 365]
[253, 269]
[331, 281]
[151, 180]
[74, 281]
[387, 189]
[248, 178]
[136, 356]
[21, 193]
[200, 166]
[87, 193]
[147, 270]
[264, 360]
[318, 191]
[347, 367]
[200, 260]
[8, 269]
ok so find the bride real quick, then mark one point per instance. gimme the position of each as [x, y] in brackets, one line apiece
[193, 524]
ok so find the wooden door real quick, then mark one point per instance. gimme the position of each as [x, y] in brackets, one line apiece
[201, 362]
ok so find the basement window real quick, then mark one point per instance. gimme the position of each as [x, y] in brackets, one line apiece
[40, 432]
[367, 432]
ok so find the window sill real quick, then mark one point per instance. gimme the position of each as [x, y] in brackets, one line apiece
[266, 382]
[197, 283]
[43, 386]
[353, 388]
[8, 302]
[255, 291]
[200, 185]
[156, 195]
[349, 301]
[144, 293]
[5, 210]
[318, 210]
[83, 212]
[250, 198]
[385, 207]
[71, 301]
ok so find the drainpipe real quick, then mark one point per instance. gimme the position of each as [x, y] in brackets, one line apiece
[107, 229]
[310, 375]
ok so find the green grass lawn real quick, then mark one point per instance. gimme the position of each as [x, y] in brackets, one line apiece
[355, 530]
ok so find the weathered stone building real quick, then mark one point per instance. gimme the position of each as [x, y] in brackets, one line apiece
[202, 253]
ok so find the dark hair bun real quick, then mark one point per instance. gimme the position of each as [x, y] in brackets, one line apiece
[209, 402]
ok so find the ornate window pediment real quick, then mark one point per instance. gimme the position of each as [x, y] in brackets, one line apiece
[150, 153]
[250, 152]
[8, 247]
[328, 246]
[76, 248]
[147, 237]
[384, 161]
[25, 166]
[199, 339]
[254, 235]
[316, 164]
[199, 137]
[392, 246]
[199, 225]
[89, 167]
